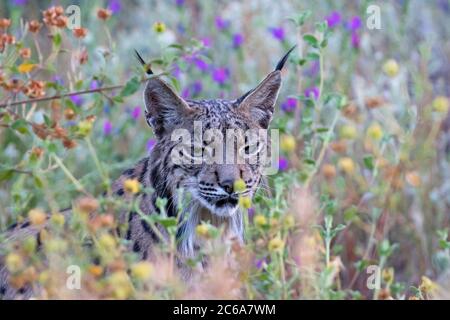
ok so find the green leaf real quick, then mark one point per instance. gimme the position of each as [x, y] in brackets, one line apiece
[130, 87]
[321, 26]
[311, 40]
[313, 56]
[369, 162]
[6, 174]
[38, 182]
[57, 40]
[21, 126]
[166, 222]
[118, 99]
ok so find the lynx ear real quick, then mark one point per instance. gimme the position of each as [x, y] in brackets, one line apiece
[259, 103]
[164, 109]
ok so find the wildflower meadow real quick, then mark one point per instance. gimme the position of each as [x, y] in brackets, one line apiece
[359, 207]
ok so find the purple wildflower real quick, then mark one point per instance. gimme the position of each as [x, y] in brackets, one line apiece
[58, 79]
[312, 93]
[197, 87]
[238, 39]
[150, 144]
[201, 64]
[289, 105]
[181, 28]
[20, 2]
[283, 164]
[115, 6]
[179, 3]
[313, 70]
[355, 40]
[221, 24]
[220, 75]
[251, 213]
[94, 85]
[206, 41]
[136, 112]
[259, 264]
[278, 33]
[333, 19]
[355, 23]
[176, 71]
[107, 127]
[77, 100]
[185, 93]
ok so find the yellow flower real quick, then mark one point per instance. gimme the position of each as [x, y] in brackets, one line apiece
[120, 283]
[287, 143]
[37, 216]
[388, 275]
[202, 230]
[26, 67]
[29, 244]
[58, 219]
[427, 285]
[159, 27]
[391, 68]
[245, 202]
[289, 221]
[347, 165]
[85, 127]
[276, 244]
[441, 104]
[107, 242]
[131, 186]
[14, 262]
[141, 270]
[260, 220]
[239, 185]
[348, 132]
[375, 132]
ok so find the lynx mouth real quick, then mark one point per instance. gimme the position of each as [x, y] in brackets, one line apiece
[229, 201]
[223, 207]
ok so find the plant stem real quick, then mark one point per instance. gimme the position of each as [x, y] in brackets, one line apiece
[77, 184]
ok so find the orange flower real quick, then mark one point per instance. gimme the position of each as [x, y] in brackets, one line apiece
[69, 114]
[69, 144]
[25, 53]
[54, 16]
[80, 32]
[35, 89]
[34, 26]
[103, 14]
[4, 23]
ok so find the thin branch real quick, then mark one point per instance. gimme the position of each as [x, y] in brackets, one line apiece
[59, 96]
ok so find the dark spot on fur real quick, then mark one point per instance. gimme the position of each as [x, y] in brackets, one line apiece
[129, 172]
[120, 192]
[136, 247]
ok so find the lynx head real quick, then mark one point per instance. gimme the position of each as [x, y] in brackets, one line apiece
[205, 146]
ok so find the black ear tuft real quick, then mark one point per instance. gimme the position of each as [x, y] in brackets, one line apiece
[147, 68]
[281, 63]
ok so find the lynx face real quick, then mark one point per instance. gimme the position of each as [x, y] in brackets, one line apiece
[209, 161]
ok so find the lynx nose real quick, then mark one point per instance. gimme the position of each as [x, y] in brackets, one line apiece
[227, 185]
